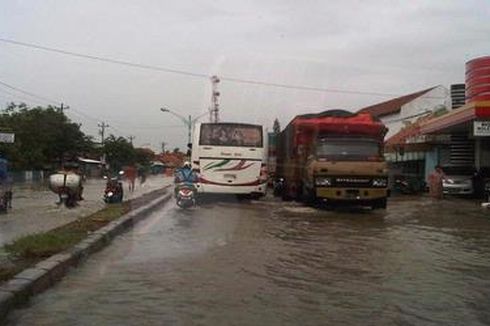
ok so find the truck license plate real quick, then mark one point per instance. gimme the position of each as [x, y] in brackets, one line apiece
[352, 193]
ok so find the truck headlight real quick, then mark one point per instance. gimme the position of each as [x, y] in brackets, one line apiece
[323, 182]
[380, 182]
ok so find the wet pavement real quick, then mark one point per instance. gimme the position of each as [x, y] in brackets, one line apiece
[35, 210]
[273, 263]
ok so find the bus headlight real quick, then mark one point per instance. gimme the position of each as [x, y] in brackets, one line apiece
[323, 182]
[380, 182]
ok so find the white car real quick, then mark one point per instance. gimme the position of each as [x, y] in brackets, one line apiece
[458, 181]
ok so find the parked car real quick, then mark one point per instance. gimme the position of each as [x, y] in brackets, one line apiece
[487, 191]
[458, 180]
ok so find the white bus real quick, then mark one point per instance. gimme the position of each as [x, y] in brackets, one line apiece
[230, 158]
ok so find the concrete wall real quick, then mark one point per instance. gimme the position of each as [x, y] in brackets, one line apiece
[437, 97]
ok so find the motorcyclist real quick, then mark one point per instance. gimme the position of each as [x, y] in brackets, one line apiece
[185, 175]
[5, 183]
[72, 167]
[114, 186]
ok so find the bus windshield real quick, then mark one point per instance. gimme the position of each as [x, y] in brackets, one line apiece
[230, 134]
[348, 147]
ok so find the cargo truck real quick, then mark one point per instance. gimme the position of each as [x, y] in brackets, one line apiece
[334, 157]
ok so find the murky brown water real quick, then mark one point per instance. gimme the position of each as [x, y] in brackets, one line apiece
[280, 264]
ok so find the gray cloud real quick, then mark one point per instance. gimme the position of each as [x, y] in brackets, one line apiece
[377, 46]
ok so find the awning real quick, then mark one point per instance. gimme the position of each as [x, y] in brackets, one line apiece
[457, 119]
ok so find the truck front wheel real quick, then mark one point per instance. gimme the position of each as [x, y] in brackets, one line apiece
[380, 203]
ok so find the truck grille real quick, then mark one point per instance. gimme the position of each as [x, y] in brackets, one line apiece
[355, 182]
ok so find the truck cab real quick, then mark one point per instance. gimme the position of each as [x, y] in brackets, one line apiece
[346, 169]
[333, 157]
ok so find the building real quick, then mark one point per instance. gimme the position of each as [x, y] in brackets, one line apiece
[398, 112]
[459, 137]
[467, 130]
[458, 95]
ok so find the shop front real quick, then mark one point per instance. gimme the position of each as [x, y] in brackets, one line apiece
[467, 131]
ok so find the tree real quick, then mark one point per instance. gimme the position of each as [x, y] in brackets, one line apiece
[119, 152]
[44, 137]
[276, 127]
[176, 150]
[144, 156]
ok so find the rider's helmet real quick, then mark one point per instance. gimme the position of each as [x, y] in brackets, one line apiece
[187, 165]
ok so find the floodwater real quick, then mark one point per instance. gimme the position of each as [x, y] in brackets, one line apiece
[271, 263]
[35, 209]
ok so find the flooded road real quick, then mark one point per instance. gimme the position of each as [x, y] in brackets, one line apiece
[35, 209]
[271, 263]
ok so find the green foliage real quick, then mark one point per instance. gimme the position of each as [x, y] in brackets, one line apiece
[119, 152]
[440, 111]
[144, 156]
[43, 244]
[43, 136]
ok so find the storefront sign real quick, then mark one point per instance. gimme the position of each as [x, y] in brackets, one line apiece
[7, 137]
[424, 138]
[481, 128]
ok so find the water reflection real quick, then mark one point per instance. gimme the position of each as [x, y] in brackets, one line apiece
[270, 263]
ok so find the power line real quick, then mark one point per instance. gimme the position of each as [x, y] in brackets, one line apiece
[16, 97]
[51, 101]
[75, 111]
[29, 93]
[194, 74]
[109, 60]
[306, 88]
[45, 99]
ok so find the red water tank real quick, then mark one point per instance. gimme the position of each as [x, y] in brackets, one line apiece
[478, 79]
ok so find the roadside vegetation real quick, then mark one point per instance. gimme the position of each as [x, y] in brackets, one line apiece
[30, 249]
[45, 137]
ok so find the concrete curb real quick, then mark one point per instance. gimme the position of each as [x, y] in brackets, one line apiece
[36, 279]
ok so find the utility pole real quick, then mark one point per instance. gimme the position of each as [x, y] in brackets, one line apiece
[102, 127]
[163, 146]
[131, 139]
[63, 131]
[214, 109]
[189, 129]
[63, 108]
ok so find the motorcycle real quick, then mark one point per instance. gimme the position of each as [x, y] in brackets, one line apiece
[408, 185]
[278, 186]
[185, 195]
[67, 197]
[5, 199]
[113, 192]
[68, 187]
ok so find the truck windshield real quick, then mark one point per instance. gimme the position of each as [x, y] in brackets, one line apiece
[348, 148]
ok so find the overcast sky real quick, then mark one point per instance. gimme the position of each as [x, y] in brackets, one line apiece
[393, 47]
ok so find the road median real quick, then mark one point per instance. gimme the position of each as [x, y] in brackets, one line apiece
[36, 262]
